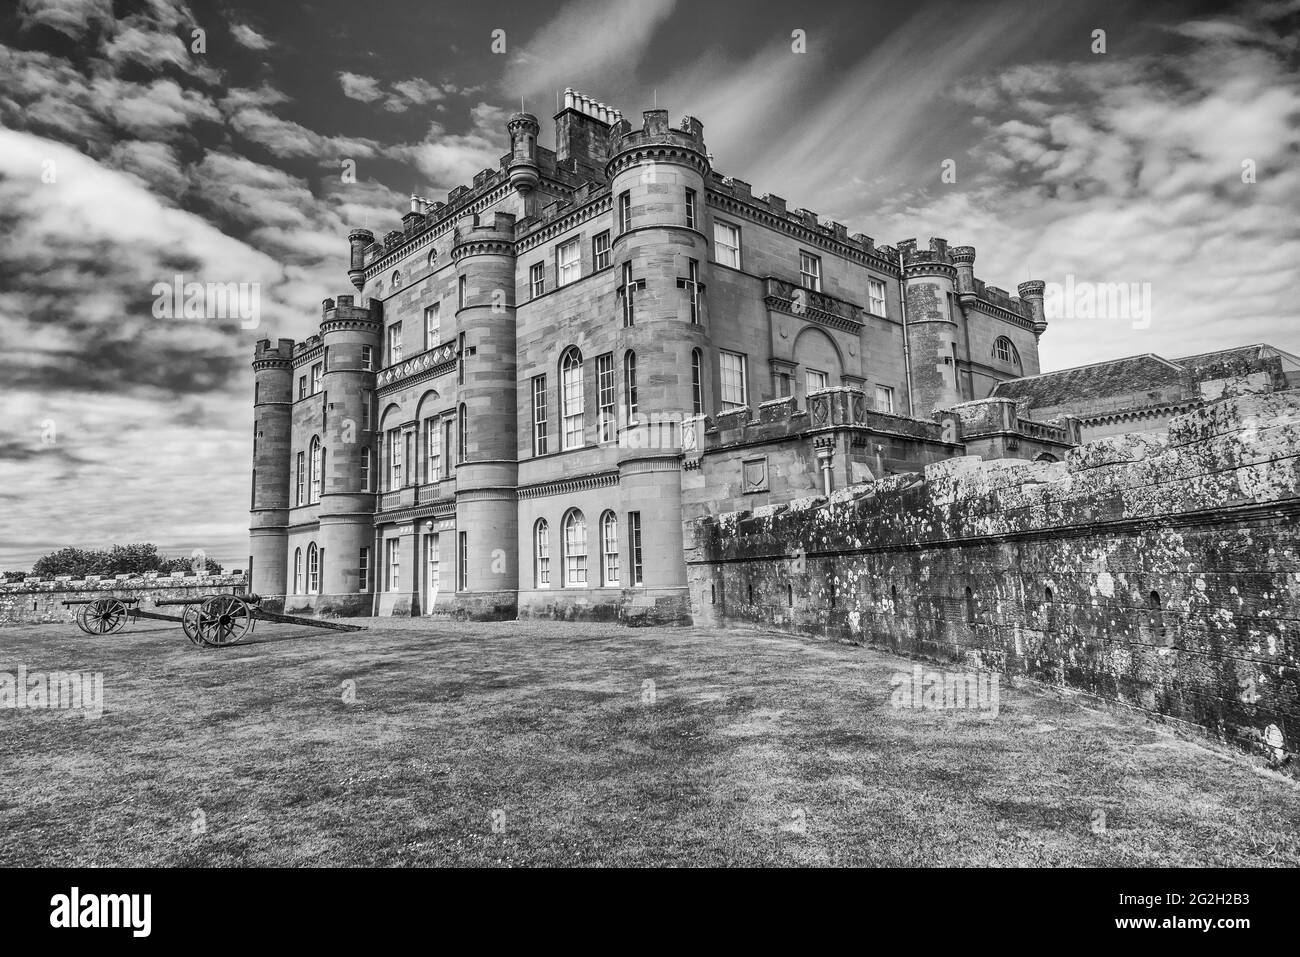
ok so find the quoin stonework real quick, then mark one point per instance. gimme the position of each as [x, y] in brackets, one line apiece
[494, 424]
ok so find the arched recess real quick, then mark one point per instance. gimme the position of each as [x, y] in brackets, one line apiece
[815, 350]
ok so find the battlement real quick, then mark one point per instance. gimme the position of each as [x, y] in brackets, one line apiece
[496, 226]
[307, 345]
[656, 131]
[283, 350]
[344, 307]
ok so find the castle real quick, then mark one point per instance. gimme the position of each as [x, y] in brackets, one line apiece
[502, 419]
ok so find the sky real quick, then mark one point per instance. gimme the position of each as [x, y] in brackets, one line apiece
[1162, 153]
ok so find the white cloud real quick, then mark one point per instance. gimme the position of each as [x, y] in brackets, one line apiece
[249, 38]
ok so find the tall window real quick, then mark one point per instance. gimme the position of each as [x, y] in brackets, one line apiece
[462, 563]
[629, 385]
[692, 284]
[541, 554]
[575, 549]
[316, 370]
[460, 293]
[302, 387]
[394, 564]
[568, 264]
[815, 381]
[462, 433]
[536, 280]
[432, 325]
[431, 572]
[368, 358]
[629, 296]
[733, 379]
[600, 250]
[810, 271]
[297, 570]
[448, 425]
[394, 343]
[539, 415]
[1005, 351]
[365, 470]
[301, 497]
[432, 451]
[605, 412]
[313, 569]
[690, 208]
[634, 543]
[726, 244]
[571, 397]
[624, 211]
[363, 570]
[876, 297]
[697, 382]
[317, 468]
[367, 403]
[609, 548]
[395, 458]
[884, 399]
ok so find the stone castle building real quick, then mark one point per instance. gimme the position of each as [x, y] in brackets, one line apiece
[502, 419]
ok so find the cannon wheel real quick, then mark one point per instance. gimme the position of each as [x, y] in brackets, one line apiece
[103, 616]
[224, 620]
[190, 624]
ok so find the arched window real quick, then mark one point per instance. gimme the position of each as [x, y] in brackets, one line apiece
[970, 606]
[297, 570]
[609, 548]
[1156, 619]
[397, 279]
[542, 554]
[1045, 457]
[575, 549]
[313, 569]
[433, 254]
[629, 385]
[462, 432]
[571, 397]
[697, 382]
[365, 470]
[1004, 350]
[317, 469]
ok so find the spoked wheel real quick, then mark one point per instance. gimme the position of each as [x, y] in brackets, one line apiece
[103, 616]
[190, 624]
[224, 620]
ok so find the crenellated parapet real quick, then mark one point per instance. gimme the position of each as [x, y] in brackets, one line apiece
[268, 356]
[344, 313]
[657, 141]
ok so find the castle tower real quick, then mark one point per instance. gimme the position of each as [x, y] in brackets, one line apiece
[661, 264]
[358, 240]
[933, 324]
[272, 428]
[486, 553]
[346, 505]
[1031, 291]
[523, 171]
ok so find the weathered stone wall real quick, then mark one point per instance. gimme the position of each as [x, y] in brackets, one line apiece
[38, 600]
[1161, 572]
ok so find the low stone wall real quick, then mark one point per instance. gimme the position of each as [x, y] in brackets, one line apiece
[1159, 572]
[36, 600]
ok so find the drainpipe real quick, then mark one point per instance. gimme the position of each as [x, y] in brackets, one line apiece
[907, 351]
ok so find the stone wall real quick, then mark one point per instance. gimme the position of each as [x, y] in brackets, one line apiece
[37, 600]
[1161, 572]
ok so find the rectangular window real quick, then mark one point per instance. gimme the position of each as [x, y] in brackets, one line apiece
[875, 297]
[301, 495]
[317, 371]
[629, 385]
[363, 570]
[460, 293]
[395, 458]
[624, 211]
[815, 381]
[432, 326]
[368, 358]
[690, 209]
[697, 383]
[394, 343]
[433, 577]
[462, 433]
[365, 470]
[447, 426]
[629, 296]
[634, 540]
[692, 284]
[884, 399]
[605, 398]
[462, 566]
[543, 552]
[726, 244]
[394, 565]
[536, 280]
[600, 250]
[568, 263]
[302, 387]
[733, 379]
[810, 271]
[432, 451]
[539, 415]
[367, 403]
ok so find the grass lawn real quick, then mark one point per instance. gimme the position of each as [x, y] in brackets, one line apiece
[541, 743]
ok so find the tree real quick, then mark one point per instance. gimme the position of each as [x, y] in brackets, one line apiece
[134, 559]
